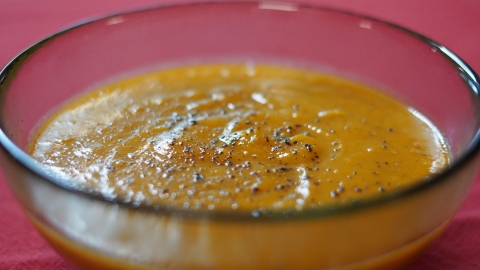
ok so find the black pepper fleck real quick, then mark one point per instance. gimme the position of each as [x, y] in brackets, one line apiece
[309, 147]
[198, 177]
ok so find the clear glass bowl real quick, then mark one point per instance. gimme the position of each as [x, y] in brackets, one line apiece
[381, 233]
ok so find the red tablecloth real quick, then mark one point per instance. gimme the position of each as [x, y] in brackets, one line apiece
[455, 24]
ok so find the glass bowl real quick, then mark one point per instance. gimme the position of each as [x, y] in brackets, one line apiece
[93, 232]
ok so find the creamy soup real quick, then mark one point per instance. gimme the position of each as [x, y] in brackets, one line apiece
[237, 137]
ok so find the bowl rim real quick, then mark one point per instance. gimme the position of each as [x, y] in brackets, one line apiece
[26, 161]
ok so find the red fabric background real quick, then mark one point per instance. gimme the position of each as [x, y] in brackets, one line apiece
[455, 24]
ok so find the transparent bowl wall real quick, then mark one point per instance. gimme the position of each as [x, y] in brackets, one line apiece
[383, 233]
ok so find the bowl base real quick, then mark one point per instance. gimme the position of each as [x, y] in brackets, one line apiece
[84, 258]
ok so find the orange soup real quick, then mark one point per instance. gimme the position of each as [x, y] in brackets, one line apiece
[237, 137]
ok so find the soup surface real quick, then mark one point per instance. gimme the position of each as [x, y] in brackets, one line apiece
[239, 137]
